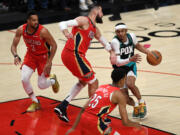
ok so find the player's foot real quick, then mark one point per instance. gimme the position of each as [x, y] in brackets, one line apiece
[33, 107]
[61, 113]
[135, 114]
[55, 86]
[142, 110]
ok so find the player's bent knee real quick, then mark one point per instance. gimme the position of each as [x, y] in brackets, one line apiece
[41, 84]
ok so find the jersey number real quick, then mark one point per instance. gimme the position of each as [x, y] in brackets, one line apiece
[94, 101]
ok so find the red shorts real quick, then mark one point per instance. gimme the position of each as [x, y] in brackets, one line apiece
[78, 65]
[35, 61]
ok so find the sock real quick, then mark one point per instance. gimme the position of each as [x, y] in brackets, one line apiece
[141, 101]
[136, 104]
[52, 81]
[81, 1]
[74, 91]
[33, 97]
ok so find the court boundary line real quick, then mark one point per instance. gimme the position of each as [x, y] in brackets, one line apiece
[147, 71]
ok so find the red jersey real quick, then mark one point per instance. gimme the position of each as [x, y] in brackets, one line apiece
[100, 104]
[82, 38]
[34, 43]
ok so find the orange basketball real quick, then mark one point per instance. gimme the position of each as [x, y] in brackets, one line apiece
[154, 58]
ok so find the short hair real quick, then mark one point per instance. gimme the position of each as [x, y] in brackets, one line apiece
[120, 24]
[117, 74]
[30, 13]
[94, 6]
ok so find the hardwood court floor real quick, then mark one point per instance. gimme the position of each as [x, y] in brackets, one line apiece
[159, 85]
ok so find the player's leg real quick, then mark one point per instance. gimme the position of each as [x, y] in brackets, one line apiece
[92, 86]
[60, 110]
[43, 82]
[26, 74]
[130, 101]
[140, 106]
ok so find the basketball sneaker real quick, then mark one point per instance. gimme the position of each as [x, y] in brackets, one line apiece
[55, 86]
[61, 113]
[135, 114]
[142, 110]
[33, 107]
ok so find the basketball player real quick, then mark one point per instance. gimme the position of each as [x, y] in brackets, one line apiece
[36, 38]
[124, 44]
[103, 102]
[73, 55]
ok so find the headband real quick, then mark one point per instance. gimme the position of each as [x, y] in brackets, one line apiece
[120, 26]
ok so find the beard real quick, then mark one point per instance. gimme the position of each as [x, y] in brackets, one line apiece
[35, 26]
[99, 19]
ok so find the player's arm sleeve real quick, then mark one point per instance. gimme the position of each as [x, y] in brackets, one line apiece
[105, 43]
[134, 38]
[115, 46]
[65, 24]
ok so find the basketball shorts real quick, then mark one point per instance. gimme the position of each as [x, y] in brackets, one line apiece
[131, 69]
[78, 65]
[35, 62]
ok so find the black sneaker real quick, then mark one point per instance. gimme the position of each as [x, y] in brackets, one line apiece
[61, 113]
[114, 18]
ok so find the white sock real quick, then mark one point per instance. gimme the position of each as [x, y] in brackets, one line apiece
[81, 1]
[52, 81]
[33, 97]
[136, 104]
[43, 83]
[141, 101]
[74, 91]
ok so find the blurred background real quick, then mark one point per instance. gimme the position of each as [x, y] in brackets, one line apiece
[13, 12]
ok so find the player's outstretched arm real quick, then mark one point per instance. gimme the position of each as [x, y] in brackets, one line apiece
[79, 21]
[78, 118]
[142, 49]
[17, 37]
[120, 99]
[106, 45]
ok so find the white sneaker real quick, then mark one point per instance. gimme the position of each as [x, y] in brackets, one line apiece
[83, 6]
[89, 2]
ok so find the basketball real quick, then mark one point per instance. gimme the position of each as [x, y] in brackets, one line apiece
[154, 58]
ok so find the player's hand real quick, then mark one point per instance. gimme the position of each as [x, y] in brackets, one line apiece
[47, 68]
[136, 58]
[17, 60]
[113, 57]
[69, 131]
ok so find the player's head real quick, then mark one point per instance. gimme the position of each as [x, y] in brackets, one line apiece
[97, 10]
[118, 76]
[121, 30]
[32, 19]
